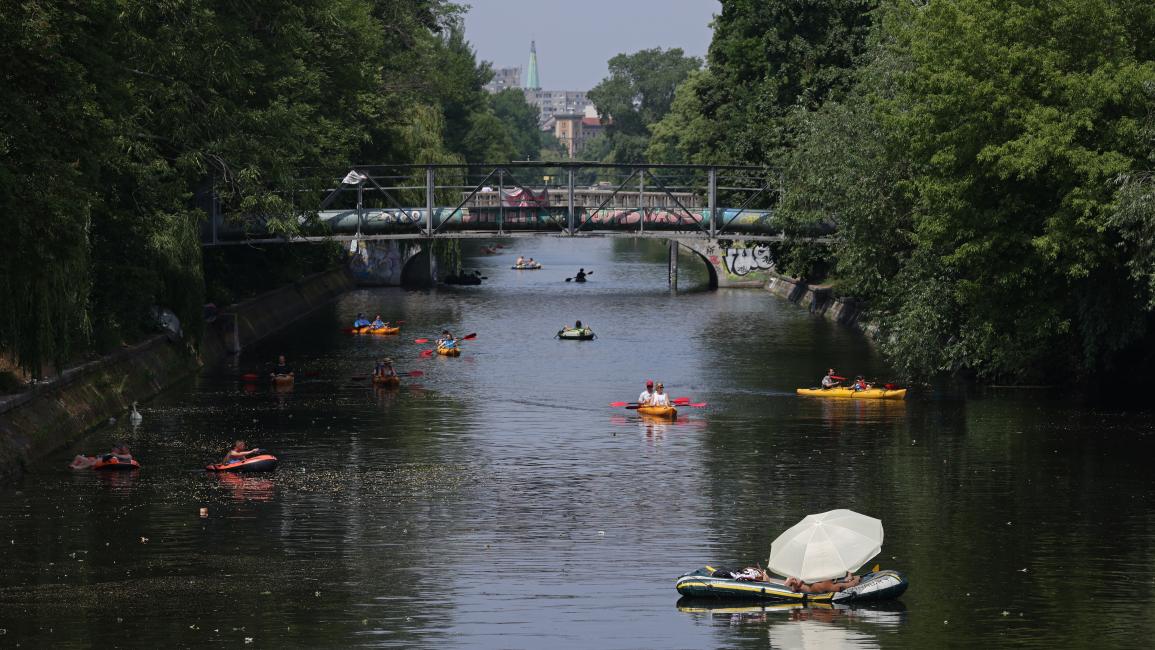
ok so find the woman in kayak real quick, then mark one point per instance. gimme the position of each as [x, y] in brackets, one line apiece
[659, 398]
[238, 453]
[446, 340]
[378, 323]
[384, 368]
[361, 320]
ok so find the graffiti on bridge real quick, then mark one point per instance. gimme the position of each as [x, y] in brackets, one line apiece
[742, 261]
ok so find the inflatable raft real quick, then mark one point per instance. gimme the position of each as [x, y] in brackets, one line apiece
[264, 462]
[709, 582]
[536, 267]
[449, 352]
[110, 463]
[842, 392]
[387, 382]
[571, 334]
[664, 412]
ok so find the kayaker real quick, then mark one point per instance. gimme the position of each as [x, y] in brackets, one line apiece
[361, 320]
[860, 384]
[446, 340]
[659, 398]
[238, 453]
[377, 322]
[384, 368]
[581, 275]
[829, 380]
[823, 586]
[644, 398]
[282, 368]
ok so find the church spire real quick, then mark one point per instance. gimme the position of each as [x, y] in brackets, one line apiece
[531, 82]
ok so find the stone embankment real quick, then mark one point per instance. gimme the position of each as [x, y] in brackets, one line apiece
[819, 299]
[51, 415]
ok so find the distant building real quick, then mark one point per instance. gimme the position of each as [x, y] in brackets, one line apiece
[504, 78]
[550, 102]
[573, 130]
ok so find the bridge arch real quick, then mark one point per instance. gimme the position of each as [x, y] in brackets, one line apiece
[732, 263]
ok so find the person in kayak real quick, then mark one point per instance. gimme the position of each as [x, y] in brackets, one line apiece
[378, 323]
[384, 368]
[282, 369]
[446, 340]
[119, 451]
[860, 384]
[644, 398]
[361, 320]
[238, 453]
[829, 380]
[659, 398]
[581, 276]
[823, 586]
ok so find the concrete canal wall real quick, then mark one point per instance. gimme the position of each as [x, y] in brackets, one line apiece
[49, 416]
[820, 300]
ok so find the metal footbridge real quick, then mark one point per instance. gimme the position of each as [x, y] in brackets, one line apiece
[566, 199]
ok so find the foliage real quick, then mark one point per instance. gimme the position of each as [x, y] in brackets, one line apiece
[988, 181]
[637, 94]
[519, 118]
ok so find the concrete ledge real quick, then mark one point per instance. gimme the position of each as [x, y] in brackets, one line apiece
[53, 415]
[820, 300]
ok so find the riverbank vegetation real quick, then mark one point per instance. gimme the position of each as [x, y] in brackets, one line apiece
[987, 164]
[121, 120]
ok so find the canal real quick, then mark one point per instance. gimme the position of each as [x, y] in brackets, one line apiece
[497, 501]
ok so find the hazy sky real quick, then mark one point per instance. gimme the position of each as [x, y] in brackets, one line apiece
[575, 38]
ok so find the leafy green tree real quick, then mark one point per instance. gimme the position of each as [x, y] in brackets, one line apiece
[519, 119]
[637, 94]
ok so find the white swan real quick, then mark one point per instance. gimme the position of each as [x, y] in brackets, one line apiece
[135, 417]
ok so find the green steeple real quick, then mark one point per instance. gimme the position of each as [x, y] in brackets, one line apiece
[531, 82]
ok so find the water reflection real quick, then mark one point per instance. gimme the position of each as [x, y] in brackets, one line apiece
[793, 625]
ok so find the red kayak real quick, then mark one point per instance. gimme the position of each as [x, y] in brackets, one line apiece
[259, 463]
[114, 463]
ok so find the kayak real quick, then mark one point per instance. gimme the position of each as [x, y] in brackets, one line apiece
[113, 463]
[388, 382]
[870, 393]
[714, 583]
[384, 330]
[258, 463]
[449, 352]
[526, 268]
[667, 412]
[283, 380]
[584, 334]
[579, 279]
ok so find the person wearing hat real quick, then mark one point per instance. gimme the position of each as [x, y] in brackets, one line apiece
[644, 398]
[659, 398]
[384, 368]
[361, 320]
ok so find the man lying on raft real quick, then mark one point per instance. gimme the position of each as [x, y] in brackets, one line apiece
[758, 574]
[119, 450]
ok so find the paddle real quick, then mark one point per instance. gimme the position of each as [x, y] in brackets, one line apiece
[587, 273]
[411, 373]
[467, 337]
[250, 377]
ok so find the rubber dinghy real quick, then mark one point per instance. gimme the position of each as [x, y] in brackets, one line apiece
[114, 464]
[850, 393]
[709, 582]
[523, 267]
[573, 334]
[259, 463]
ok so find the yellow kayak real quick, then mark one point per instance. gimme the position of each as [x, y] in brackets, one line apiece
[449, 352]
[387, 382]
[870, 393]
[667, 412]
[384, 330]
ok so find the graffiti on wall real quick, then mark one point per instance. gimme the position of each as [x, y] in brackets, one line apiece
[378, 262]
[742, 261]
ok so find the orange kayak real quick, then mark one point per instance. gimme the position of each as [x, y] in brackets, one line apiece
[667, 412]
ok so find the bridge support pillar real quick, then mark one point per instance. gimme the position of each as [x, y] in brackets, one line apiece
[674, 265]
[734, 264]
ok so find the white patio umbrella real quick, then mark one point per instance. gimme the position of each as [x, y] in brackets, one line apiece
[826, 545]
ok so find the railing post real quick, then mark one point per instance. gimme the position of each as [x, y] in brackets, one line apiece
[569, 203]
[712, 202]
[500, 199]
[360, 202]
[642, 199]
[429, 201]
[673, 265]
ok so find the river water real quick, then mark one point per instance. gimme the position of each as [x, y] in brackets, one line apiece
[497, 501]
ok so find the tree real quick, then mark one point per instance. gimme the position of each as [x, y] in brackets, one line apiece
[519, 119]
[637, 94]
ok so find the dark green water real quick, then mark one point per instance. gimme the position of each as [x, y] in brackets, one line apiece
[498, 502]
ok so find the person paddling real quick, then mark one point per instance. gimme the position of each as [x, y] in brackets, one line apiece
[378, 323]
[361, 321]
[659, 398]
[238, 453]
[447, 340]
[829, 381]
[644, 398]
[282, 369]
[384, 368]
[581, 276]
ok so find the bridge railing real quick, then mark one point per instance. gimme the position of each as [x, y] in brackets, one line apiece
[570, 198]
